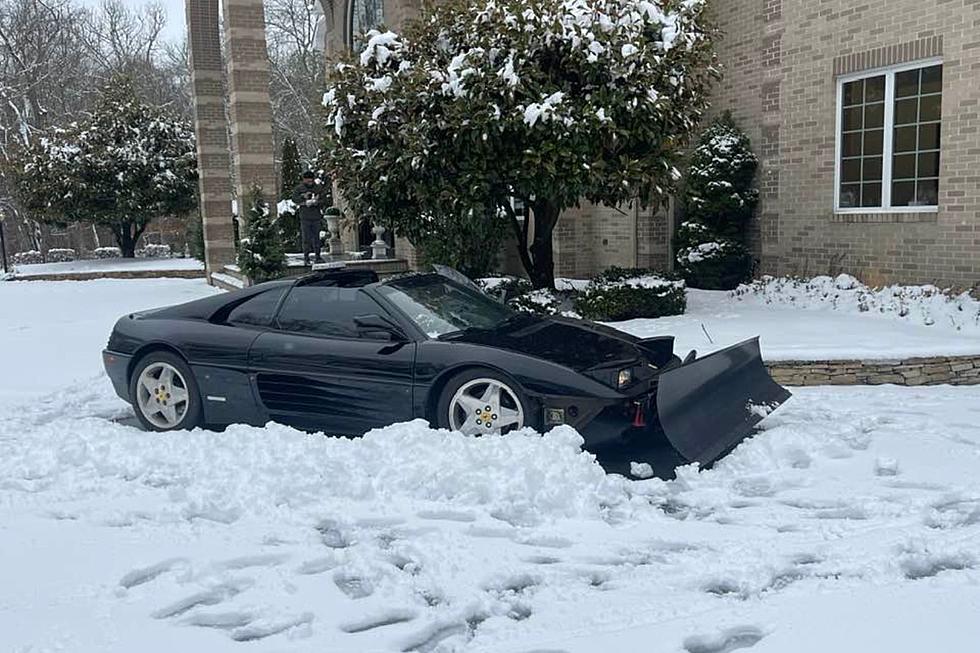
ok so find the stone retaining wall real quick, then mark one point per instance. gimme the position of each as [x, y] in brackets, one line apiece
[112, 274]
[940, 370]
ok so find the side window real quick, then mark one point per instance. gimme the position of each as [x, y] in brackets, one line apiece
[257, 310]
[325, 310]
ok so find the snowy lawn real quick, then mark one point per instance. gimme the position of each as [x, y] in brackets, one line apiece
[53, 332]
[109, 265]
[851, 523]
[804, 331]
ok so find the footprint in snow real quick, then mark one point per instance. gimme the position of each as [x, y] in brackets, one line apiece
[219, 620]
[386, 618]
[268, 627]
[260, 560]
[926, 565]
[726, 641]
[354, 587]
[212, 596]
[146, 574]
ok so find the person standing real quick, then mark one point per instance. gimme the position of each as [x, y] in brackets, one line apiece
[309, 207]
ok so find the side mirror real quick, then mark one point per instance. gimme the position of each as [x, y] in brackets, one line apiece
[374, 325]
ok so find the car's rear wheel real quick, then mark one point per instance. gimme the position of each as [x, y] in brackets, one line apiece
[164, 393]
[482, 402]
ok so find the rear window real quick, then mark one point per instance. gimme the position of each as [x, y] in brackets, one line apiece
[257, 310]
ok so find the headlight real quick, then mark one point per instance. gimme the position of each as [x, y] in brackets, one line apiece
[624, 378]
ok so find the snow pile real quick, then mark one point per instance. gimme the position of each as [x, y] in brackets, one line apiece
[260, 473]
[925, 305]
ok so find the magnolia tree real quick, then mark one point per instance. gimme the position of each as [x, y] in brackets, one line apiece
[122, 166]
[544, 101]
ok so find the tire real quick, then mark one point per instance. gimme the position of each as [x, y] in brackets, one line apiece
[450, 411]
[178, 402]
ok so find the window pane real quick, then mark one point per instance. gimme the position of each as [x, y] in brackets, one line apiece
[871, 195]
[854, 93]
[905, 139]
[929, 137]
[257, 310]
[874, 115]
[930, 108]
[851, 170]
[852, 119]
[903, 193]
[874, 89]
[874, 141]
[852, 144]
[907, 83]
[927, 192]
[872, 168]
[904, 167]
[929, 164]
[906, 111]
[325, 311]
[850, 194]
[932, 79]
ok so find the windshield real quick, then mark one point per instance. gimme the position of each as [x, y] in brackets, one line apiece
[439, 306]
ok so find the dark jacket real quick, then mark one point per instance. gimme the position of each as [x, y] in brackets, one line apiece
[301, 193]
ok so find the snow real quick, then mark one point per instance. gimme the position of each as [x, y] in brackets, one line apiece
[791, 331]
[56, 330]
[108, 265]
[850, 523]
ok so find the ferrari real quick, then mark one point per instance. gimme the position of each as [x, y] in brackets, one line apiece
[339, 352]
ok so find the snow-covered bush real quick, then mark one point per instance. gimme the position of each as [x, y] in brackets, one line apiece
[107, 252]
[709, 261]
[628, 293]
[925, 305]
[718, 202]
[718, 188]
[61, 255]
[549, 102]
[545, 301]
[504, 288]
[152, 250]
[30, 257]
[260, 253]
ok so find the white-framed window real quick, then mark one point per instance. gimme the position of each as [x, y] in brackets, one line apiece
[888, 139]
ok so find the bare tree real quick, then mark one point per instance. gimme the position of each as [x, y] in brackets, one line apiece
[297, 67]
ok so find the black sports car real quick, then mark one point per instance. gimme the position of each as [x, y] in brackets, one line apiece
[338, 351]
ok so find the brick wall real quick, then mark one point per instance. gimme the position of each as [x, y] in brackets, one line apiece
[781, 59]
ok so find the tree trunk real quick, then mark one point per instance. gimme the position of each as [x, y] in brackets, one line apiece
[542, 270]
[127, 234]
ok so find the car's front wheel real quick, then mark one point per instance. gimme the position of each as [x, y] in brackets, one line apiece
[164, 393]
[481, 402]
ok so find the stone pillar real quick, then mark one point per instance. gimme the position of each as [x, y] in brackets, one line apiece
[249, 104]
[210, 128]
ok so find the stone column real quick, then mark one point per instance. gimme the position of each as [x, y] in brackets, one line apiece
[210, 128]
[249, 104]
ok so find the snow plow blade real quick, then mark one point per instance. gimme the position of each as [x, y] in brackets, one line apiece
[706, 407]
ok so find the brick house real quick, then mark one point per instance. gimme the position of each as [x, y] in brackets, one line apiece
[866, 118]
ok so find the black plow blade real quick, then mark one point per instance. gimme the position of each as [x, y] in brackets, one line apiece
[706, 407]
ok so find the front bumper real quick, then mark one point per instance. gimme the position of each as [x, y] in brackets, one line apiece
[117, 367]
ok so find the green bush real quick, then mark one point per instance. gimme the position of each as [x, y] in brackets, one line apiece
[625, 294]
[544, 301]
[708, 261]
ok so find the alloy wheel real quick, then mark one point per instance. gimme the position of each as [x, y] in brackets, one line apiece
[485, 406]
